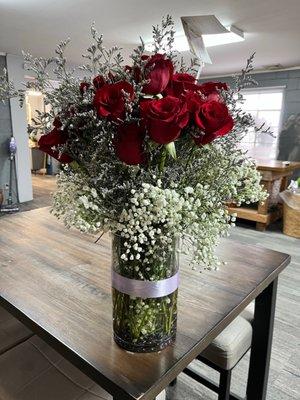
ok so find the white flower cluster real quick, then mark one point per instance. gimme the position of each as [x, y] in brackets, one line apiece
[76, 204]
[155, 217]
[149, 225]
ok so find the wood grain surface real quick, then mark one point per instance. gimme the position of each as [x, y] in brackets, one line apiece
[58, 283]
[277, 166]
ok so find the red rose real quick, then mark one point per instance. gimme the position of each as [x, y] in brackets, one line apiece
[214, 120]
[193, 100]
[48, 144]
[159, 70]
[84, 87]
[98, 81]
[180, 83]
[129, 144]
[165, 118]
[109, 100]
[211, 89]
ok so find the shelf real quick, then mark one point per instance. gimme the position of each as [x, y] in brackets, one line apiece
[253, 215]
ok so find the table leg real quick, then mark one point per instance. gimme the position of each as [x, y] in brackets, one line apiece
[261, 226]
[285, 181]
[261, 343]
[263, 206]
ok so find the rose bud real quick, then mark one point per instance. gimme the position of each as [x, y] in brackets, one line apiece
[211, 89]
[84, 87]
[159, 71]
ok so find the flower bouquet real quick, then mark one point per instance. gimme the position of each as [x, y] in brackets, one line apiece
[152, 156]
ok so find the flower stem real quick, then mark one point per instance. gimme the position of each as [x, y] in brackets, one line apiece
[190, 155]
[162, 161]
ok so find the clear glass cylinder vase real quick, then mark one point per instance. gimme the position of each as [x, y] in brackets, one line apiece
[144, 298]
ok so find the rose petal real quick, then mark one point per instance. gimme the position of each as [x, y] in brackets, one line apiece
[129, 144]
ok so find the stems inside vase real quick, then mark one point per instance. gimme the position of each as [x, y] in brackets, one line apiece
[144, 324]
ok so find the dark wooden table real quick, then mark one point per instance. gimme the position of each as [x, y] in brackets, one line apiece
[57, 282]
[271, 171]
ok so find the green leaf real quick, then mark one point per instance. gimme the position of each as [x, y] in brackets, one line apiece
[74, 165]
[171, 149]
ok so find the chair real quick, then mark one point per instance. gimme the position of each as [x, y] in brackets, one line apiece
[224, 353]
[12, 331]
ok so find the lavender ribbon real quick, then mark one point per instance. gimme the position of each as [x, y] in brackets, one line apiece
[145, 289]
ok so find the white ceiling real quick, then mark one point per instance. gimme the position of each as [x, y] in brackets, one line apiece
[271, 27]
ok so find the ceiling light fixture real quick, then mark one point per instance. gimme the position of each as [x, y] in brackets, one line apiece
[233, 35]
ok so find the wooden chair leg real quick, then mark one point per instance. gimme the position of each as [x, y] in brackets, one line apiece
[224, 386]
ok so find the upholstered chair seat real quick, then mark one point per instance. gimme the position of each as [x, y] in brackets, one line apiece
[228, 348]
[224, 352]
[248, 313]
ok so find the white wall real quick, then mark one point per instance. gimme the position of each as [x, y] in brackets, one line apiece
[16, 74]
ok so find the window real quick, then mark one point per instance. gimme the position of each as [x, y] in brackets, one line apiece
[265, 105]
